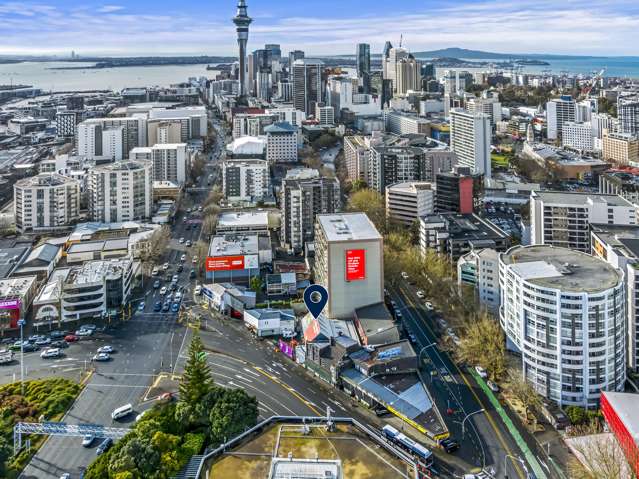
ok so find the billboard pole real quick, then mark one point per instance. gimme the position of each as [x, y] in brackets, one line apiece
[21, 324]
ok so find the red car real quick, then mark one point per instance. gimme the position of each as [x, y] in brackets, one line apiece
[71, 338]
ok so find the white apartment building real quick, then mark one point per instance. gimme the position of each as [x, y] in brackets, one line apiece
[563, 219]
[47, 201]
[408, 75]
[470, 135]
[245, 180]
[281, 143]
[577, 136]
[480, 269]
[349, 262]
[342, 94]
[403, 124]
[356, 156]
[564, 311]
[195, 114]
[559, 111]
[289, 115]
[121, 191]
[325, 115]
[93, 144]
[167, 131]
[169, 161]
[488, 104]
[407, 202]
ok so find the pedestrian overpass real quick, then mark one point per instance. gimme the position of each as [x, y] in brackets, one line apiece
[63, 429]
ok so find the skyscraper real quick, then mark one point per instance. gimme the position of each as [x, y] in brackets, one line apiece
[242, 22]
[292, 56]
[385, 54]
[364, 66]
[470, 135]
[307, 84]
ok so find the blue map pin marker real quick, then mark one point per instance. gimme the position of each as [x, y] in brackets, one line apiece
[315, 298]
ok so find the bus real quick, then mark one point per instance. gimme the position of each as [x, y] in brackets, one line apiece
[424, 455]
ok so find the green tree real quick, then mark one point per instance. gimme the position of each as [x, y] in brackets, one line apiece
[256, 284]
[482, 343]
[5, 455]
[234, 412]
[196, 380]
[372, 203]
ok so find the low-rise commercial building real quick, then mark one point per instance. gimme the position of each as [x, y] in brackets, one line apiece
[270, 322]
[454, 235]
[16, 296]
[247, 222]
[233, 259]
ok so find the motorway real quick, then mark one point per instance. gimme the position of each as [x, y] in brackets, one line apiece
[484, 432]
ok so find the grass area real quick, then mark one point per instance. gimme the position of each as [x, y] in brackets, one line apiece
[46, 399]
[499, 161]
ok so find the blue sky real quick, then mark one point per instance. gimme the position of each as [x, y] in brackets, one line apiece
[194, 27]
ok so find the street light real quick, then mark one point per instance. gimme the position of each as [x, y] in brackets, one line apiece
[21, 324]
[463, 423]
[516, 458]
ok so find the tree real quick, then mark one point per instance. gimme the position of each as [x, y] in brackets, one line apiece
[5, 454]
[599, 457]
[482, 343]
[372, 203]
[256, 284]
[196, 380]
[233, 413]
[197, 166]
[154, 249]
[201, 250]
[528, 397]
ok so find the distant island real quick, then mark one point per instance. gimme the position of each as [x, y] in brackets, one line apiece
[101, 63]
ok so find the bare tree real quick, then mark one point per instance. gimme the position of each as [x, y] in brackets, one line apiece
[201, 250]
[528, 397]
[482, 343]
[598, 457]
[154, 249]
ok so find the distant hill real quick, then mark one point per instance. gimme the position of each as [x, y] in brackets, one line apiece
[482, 55]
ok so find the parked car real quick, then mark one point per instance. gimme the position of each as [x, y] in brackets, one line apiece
[157, 284]
[57, 334]
[166, 307]
[50, 353]
[428, 305]
[175, 307]
[404, 275]
[87, 440]
[71, 338]
[189, 243]
[492, 386]
[178, 296]
[183, 258]
[165, 266]
[83, 332]
[91, 327]
[104, 446]
[192, 274]
[60, 344]
[30, 347]
[198, 290]
[420, 294]
[181, 241]
[175, 278]
[43, 341]
[141, 306]
[106, 349]
[481, 371]
[155, 271]
[163, 290]
[157, 306]
[101, 357]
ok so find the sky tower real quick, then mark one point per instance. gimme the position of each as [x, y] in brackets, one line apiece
[242, 22]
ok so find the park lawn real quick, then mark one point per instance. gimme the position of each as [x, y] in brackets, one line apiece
[44, 398]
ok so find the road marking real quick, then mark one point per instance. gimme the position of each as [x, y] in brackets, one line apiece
[251, 372]
[288, 388]
[242, 378]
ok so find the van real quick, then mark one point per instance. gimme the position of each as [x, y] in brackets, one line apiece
[122, 412]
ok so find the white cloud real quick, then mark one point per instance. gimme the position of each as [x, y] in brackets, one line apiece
[527, 26]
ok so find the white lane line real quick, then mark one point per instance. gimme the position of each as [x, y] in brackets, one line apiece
[253, 373]
[104, 385]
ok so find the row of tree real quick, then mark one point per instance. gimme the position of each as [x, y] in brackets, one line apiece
[162, 441]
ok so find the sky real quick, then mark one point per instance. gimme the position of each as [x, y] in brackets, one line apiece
[319, 27]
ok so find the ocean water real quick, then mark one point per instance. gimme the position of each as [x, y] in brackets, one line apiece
[40, 75]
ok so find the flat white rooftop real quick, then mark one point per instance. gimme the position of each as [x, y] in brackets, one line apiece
[348, 227]
[243, 219]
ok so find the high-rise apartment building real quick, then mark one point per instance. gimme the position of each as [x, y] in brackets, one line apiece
[628, 114]
[281, 143]
[470, 135]
[110, 138]
[304, 195]
[577, 136]
[349, 262]
[169, 161]
[564, 312]
[307, 84]
[121, 191]
[559, 111]
[563, 219]
[407, 75]
[246, 180]
[44, 202]
[620, 148]
[407, 202]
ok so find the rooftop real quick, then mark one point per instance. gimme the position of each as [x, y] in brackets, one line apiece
[561, 268]
[409, 187]
[580, 199]
[625, 405]
[348, 227]
[45, 179]
[280, 127]
[302, 174]
[126, 165]
[233, 245]
[11, 258]
[469, 227]
[241, 219]
[96, 271]
[16, 287]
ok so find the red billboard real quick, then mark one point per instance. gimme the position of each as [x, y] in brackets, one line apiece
[355, 264]
[225, 263]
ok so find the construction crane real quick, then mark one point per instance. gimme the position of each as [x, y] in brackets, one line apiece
[586, 91]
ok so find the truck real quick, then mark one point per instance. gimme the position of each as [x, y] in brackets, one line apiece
[6, 356]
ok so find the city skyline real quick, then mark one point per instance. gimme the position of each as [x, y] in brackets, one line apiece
[98, 28]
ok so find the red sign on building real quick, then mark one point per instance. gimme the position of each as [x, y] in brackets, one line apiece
[224, 263]
[355, 264]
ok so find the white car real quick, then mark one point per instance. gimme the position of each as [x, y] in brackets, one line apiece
[181, 241]
[50, 353]
[163, 290]
[183, 258]
[84, 332]
[198, 290]
[492, 386]
[404, 275]
[165, 266]
[101, 357]
[428, 305]
[420, 294]
[188, 243]
[155, 271]
[105, 349]
[178, 296]
[481, 371]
